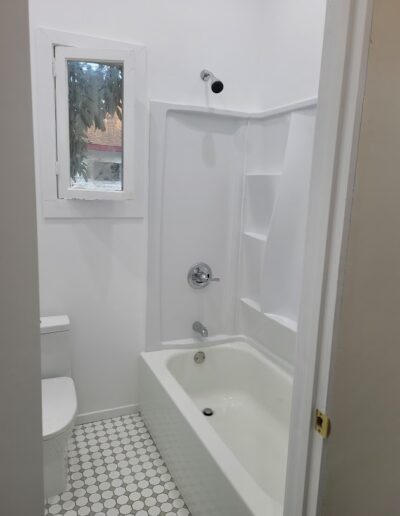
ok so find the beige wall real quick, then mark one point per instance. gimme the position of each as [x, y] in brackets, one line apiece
[363, 452]
[21, 491]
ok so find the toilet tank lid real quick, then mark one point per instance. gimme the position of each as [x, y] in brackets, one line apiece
[54, 323]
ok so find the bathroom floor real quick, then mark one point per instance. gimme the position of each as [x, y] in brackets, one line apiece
[115, 469]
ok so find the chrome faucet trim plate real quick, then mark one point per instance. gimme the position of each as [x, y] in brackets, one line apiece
[200, 275]
[200, 328]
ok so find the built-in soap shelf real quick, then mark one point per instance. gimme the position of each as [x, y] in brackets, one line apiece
[283, 321]
[275, 190]
[251, 303]
[259, 200]
[257, 236]
[256, 307]
[262, 173]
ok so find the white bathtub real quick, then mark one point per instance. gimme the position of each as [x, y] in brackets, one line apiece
[234, 462]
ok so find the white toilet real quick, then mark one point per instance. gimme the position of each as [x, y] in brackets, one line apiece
[59, 404]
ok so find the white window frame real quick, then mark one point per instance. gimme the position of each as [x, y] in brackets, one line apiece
[63, 54]
[52, 205]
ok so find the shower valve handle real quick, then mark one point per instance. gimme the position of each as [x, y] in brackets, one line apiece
[200, 275]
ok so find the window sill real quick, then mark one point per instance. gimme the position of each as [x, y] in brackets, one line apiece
[102, 209]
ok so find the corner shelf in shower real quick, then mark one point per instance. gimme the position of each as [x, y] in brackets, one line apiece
[261, 237]
[259, 200]
[254, 305]
[262, 173]
[281, 320]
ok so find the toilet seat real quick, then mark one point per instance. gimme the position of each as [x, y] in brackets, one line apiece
[59, 406]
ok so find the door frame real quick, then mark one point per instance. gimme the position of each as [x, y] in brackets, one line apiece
[341, 93]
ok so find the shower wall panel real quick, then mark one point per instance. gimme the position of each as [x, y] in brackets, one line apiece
[229, 189]
[199, 179]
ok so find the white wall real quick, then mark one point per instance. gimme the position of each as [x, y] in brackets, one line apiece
[267, 52]
[21, 484]
[291, 43]
[95, 270]
[181, 37]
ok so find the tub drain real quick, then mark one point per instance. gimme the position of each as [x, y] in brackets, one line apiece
[208, 411]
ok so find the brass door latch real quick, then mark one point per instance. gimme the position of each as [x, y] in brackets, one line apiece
[322, 424]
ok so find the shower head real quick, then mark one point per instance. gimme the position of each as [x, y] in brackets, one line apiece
[216, 85]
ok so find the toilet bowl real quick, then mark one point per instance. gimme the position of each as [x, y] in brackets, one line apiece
[59, 402]
[59, 408]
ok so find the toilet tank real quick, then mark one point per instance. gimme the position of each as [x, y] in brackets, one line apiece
[55, 346]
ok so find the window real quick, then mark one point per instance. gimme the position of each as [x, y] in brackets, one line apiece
[91, 125]
[94, 92]
[95, 117]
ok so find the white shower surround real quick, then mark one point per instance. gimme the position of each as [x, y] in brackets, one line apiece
[221, 191]
[233, 463]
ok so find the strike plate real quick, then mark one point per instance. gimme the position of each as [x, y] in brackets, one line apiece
[322, 424]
